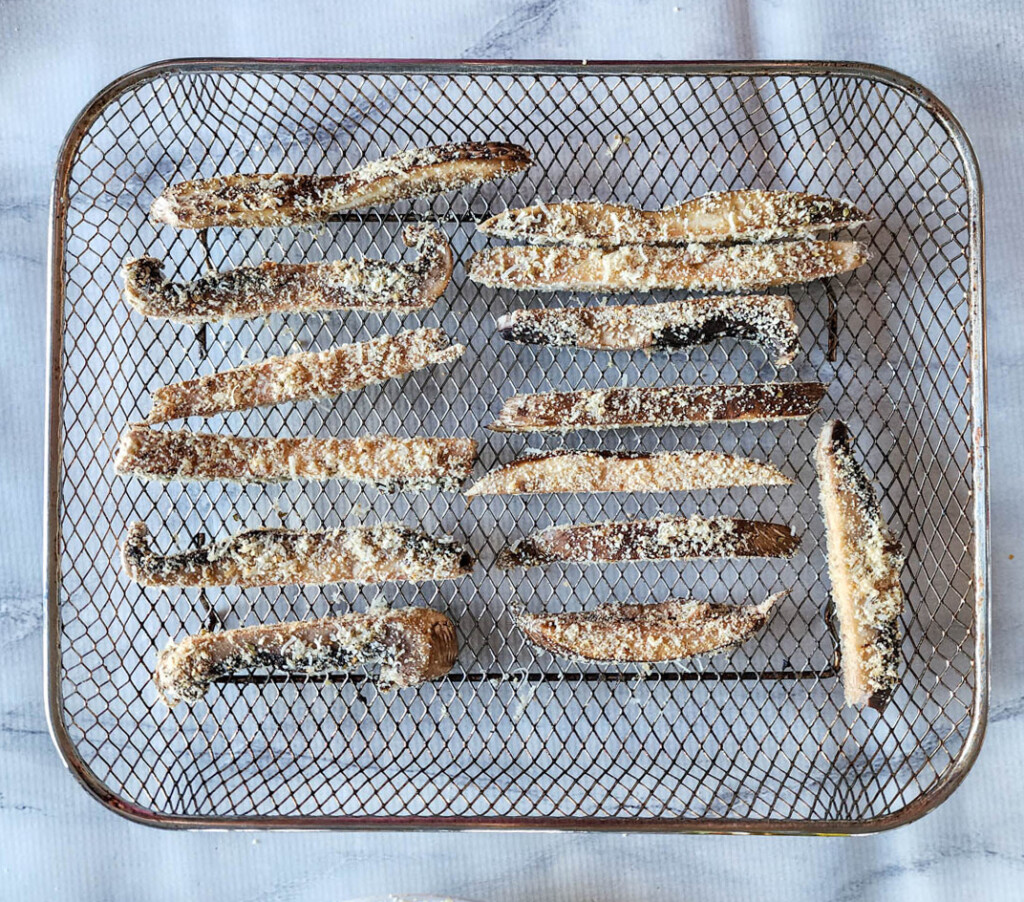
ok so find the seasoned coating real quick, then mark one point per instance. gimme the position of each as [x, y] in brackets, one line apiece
[621, 471]
[695, 267]
[680, 405]
[306, 376]
[391, 464]
[277, 199]
[250, 291]
[768, 320]
[864, 565]
[646, 633]
[411, 646]
[660, 539]
[281, 557]
[720, 217]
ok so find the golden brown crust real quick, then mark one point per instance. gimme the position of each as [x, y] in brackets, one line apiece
[249, 291]
[620, 471]
[646, 633]
[696, 267]
[306, 376]
[281, 557]
[864, 563]
[725, 216]
[620, 408]
[411, 646]
[769, 320]
[660, 539]
[275, 199]
[391, 464]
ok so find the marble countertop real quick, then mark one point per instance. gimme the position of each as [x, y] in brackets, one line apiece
[56, 842]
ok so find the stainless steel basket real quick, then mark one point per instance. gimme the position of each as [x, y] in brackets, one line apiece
[752, 741]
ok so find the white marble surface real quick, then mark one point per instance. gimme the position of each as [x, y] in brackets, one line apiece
[55, 842]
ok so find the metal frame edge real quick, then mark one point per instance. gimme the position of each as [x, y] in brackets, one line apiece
[979, 446]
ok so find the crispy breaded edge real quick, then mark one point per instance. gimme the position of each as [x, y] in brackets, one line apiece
[621, 408]
[671, 630]
[768, 320]
[279, 557]
[643, 268]
[411, 646]
[864, 564]
[668, 538]
[251, 291]
[719, 217]
[620, 471]
[280, 199]
[305, 376]
[391, 464]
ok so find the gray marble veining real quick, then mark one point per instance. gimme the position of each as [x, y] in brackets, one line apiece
[57, 843]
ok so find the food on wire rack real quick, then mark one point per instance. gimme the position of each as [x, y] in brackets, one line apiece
[410, 645]
[725, 216]
[864, 564]
[388, 463]
[680, 405]
[660, 539]
[275, 199]
[697, 267]
[250, 291]
[768, 320]
[646, 633]
[308, 375]
[279, 557]
[621, 471]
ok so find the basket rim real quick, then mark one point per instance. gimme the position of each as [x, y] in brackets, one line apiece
[103, 793]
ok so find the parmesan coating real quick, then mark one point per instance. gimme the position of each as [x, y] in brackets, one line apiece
[696, 267]
[769, 320]
[620, 471]
[647, 633]
[864, 564]
[305, 376]
[680, 405]
[411, 646]
[250, 291]
[660, 539]
[391, 464]
[280, 557]
[277, 199]
[720, 217]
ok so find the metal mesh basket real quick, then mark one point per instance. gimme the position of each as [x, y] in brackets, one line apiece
[753, 740]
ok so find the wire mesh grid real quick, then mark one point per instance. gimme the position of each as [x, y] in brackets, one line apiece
[753, 739]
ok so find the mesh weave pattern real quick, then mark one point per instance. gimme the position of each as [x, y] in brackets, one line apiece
[758, 735]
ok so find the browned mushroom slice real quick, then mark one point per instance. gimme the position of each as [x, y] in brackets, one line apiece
[726, 216]
[647, 633]
[660, 539]
[391, 464]
[864, 564]
[280, 557]
[768, 320]
[681, 405]
[249, 291]
[620, 471]
[274, 199]
[305, 376]
[411, 646]
[696, 267]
